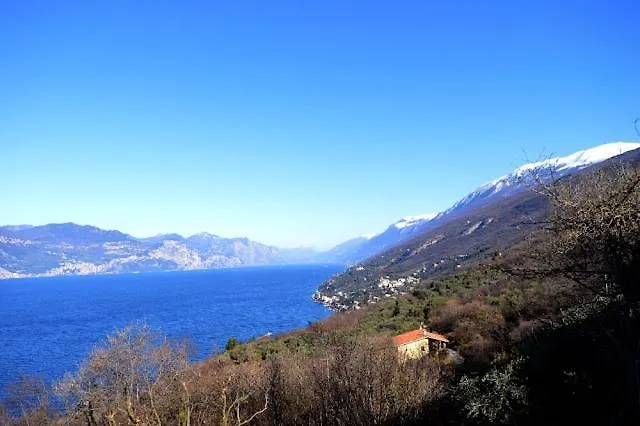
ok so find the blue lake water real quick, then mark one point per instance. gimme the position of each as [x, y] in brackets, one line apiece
[49, 325]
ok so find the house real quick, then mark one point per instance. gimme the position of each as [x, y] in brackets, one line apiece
[418, 343]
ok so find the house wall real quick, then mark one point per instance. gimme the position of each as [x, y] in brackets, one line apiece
[414, 350]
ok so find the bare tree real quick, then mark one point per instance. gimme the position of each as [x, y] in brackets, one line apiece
[29, 398]
[232, 402]
[122, 381]
[361, 382]
[593, 234]
[592, 238]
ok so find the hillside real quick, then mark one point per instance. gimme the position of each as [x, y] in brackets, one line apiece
[460, 238]
[456, 244]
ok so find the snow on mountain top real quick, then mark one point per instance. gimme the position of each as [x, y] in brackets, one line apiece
[368, 236]
[412, 220]
[578, 159]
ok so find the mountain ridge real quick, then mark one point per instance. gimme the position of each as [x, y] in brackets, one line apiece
[71, 249]
[450, 242]
[68, 248]
[518, 180]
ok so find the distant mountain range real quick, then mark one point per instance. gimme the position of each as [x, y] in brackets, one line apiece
[70, 249]
[60, 249]
[492, 218]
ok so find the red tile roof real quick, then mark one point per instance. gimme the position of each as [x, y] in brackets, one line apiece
[408, 337]
[415, 335]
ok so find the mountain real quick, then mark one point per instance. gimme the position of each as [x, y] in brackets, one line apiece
[516, 182]
[481, 225]
[482, 221]
[360, 248]
[70, 249]
[67, 232]
[158, 239]
[15, 227]
[524, 176]
[343, 252]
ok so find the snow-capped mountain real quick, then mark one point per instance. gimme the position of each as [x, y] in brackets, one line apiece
[484, 224]
[523, 177]
[411, 221]
[362, 247]
[518, 180]
[68, 248]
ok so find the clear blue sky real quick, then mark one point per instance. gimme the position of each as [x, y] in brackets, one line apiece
[295, 123]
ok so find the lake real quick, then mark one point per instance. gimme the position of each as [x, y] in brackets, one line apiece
[49, 325]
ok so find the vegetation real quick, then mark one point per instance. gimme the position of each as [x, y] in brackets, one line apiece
[547, 332]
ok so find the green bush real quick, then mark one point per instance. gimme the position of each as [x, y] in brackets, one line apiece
[231, 343]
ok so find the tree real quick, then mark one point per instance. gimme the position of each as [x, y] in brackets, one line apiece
[29, 398]
[595, 231]
[494, 397]
[122, 381]
[232, 402]
[231, 343]
[396, 310]
[592, 238]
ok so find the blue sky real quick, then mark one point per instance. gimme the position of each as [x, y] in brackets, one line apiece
[296, 123]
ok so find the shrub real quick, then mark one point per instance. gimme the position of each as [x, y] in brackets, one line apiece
[494, 397]
[231, 343]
